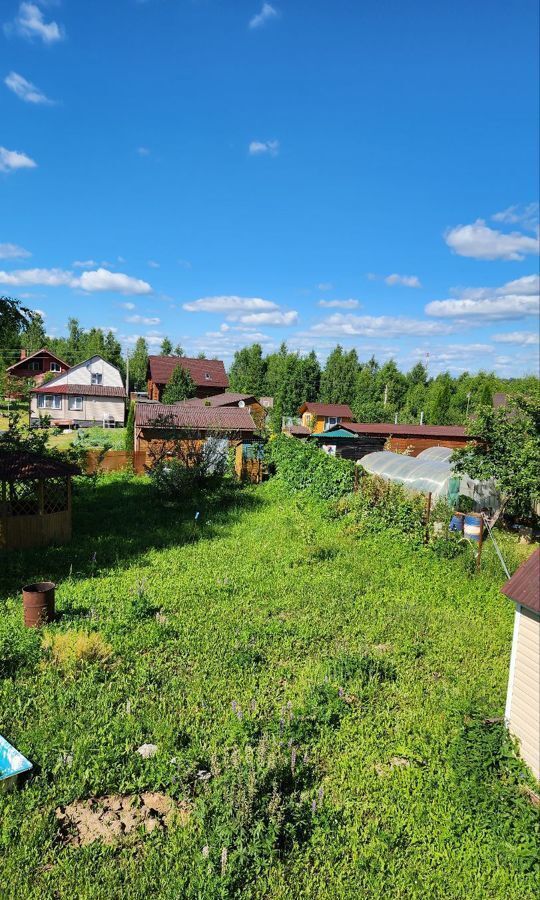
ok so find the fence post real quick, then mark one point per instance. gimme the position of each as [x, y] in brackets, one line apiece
[480, 544]
[428, 516]
[356, 477]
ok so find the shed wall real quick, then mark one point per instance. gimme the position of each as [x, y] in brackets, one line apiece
[524, 688]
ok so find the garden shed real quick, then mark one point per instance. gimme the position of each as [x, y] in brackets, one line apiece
[522, 712]
[35, 500]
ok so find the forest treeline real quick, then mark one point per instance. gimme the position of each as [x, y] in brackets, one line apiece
[375, 392]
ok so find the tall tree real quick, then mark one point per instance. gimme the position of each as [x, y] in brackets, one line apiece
[138, 365]
[338, 380]
[33, 337]
[179, 350]
[438, 400]
[248, 371]
[180, 387]
[166, 347]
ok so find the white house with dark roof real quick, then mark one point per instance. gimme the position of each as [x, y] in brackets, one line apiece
[90, 393]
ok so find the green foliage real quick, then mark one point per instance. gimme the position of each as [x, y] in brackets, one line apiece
[166, 347]
[248, 371]
[138, 365]
[381, 506]
[302, 466]
[180, 387]
[130, 428]
[329, 724]
[508, 450]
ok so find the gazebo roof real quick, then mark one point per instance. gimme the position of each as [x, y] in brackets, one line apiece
[28, 466]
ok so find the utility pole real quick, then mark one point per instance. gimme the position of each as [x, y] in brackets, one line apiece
[422, 417]
[468, 401]
[385, 395]
[127, 374]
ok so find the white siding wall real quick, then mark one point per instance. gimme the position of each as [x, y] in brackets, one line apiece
[93, 409]
[523, 705]
[82, 373]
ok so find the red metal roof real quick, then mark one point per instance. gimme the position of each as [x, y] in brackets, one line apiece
[22, 362]
[298, 430]
[197, 418]
[327, 409]
[82, 390]
[524, 585]
[27, 466]
[436, 431]
[205, 372]
[225, 399]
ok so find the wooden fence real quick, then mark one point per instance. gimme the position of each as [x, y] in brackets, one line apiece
[115, 461]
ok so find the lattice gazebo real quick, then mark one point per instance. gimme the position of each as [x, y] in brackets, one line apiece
[35, 500]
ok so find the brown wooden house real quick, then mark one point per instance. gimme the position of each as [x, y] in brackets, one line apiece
[320, 416]
[355, 439]
[230, 399]
[209, 375]
[37, 365]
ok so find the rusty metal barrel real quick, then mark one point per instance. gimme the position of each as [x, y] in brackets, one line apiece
[38, 603]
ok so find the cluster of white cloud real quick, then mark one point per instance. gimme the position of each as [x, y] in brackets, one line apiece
[514, 300]
[339, 304]
[30, 23]
[529, 338]
[479, 241]
[347, 324]
[13, 251]
[526, 216]
[267, 13]
[25, 90]
[12, 160]
[246, 310]
[259, 148]
[411, 281]
[143, 320]
[94, 281]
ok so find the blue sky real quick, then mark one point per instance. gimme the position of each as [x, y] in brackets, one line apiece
[315, 171]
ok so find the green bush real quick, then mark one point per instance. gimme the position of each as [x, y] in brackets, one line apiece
[301, 466]
[379, 505]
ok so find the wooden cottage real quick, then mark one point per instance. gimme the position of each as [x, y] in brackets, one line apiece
[247, 401]
[522, 712]
[35, 500]
[209, 375]
[35, 366]
[183, 429]
[354, 439]
[90, 393]
[321, 416]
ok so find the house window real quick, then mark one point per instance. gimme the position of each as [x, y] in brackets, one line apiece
[331, 420]
[97, 378]
[34, 365]
[75, 403]
[55, 367]
[49, 401]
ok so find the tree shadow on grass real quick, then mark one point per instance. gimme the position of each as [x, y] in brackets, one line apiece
[118, 520]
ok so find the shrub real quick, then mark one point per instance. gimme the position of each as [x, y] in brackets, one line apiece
[71, 650]
[301, 466]
[381, 504]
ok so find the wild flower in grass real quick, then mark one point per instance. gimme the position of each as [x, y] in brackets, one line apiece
[313, 806]
[223, 860]
[293, 759]
[340, 692]
[320, 794]
[206, 851]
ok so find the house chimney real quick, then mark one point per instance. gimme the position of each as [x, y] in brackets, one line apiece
[23, 354]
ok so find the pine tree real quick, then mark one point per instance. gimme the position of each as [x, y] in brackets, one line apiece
[180, 387]
[33, 337]
[130, 428]
[166, 347]
[338, 380]
[248, 371]
[179, 350]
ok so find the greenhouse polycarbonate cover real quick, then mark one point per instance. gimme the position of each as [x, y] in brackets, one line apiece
[431, 476]
[437, 454]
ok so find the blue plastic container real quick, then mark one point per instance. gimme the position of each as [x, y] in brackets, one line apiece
[473, 527]
[12, 764]
[456, 522]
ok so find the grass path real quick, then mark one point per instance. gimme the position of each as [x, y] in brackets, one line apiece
[333, 687]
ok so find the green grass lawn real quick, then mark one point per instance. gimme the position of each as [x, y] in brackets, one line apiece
[318, 699]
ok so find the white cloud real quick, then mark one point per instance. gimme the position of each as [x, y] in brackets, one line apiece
[11, 160]
[84, 264]
[229, 303]
[517, 337]
[152, 338]
[30, 23]
[411, 281]
[325, 286]
[103, 280]
[28, 277]
[153, 264]
[143, 320]
[341, 325]
[25, 90]
[128, 305]
[526, 216]
[479, 241]
[267, 13]
[340, 304]
[91, 282]
[258, 148]
[13, 251]
[270, 318]
[514, 300]
[40, 312]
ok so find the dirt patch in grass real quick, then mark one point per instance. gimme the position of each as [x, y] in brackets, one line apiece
[118, 818]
